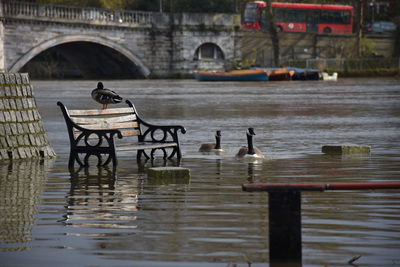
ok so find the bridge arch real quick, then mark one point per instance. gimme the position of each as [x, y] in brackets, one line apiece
[79, 38]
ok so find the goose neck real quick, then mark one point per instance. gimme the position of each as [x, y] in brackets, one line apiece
[250, 146]
[217, 142]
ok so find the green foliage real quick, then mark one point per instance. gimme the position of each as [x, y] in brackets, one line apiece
[114, 4]
[92, 3]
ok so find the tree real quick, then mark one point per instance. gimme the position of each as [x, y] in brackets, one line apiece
[274, 35]
[359, 5]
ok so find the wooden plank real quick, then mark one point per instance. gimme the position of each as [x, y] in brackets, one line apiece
[123, 132]
[138, 146]
[99, 112]
[130, 132]
[117, 125]
[86, 120]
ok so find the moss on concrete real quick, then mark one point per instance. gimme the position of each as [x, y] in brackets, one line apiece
[346, 149]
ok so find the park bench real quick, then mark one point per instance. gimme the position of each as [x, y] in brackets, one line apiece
[92, 132]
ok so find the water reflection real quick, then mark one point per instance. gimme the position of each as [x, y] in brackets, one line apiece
[144, 164]
[98, 199]
[22, 183]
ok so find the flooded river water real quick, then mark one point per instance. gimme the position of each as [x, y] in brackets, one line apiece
[51, 217]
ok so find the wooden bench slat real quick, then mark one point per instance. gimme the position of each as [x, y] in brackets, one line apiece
[116, 125]
[86, 120]
[130, 132]
[99, 112]
[138, 146]
[123, 132]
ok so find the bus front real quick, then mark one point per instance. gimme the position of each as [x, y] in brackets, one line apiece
[252, 15]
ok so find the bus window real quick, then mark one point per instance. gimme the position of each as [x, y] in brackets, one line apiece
[313, 16]
[279, 14]
[335, 17]
[301, 15]
[346, 17]
[250, 13]
[290, 15]
[264, 19]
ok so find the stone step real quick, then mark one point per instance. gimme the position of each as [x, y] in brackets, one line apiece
[346, 149]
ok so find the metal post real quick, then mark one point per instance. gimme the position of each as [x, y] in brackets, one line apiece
[399, 64]
[285, 228]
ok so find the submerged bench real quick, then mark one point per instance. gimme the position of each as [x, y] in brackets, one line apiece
[92, 132]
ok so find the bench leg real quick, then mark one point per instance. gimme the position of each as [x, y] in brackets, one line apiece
[71, 161]
[178, 153]
[139, 155]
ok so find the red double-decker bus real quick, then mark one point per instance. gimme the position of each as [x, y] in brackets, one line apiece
[295, 17]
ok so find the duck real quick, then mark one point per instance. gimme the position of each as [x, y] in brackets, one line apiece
[213, 147]
[250, 150]
[105, 96]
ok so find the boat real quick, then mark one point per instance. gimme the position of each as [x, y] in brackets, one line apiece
[330, 76]
[235, 75]
[305, 74]
[277, 74]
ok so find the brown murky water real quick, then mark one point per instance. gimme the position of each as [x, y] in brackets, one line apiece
[51, 217]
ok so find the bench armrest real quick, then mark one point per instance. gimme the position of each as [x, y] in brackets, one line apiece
[168, 133]
[161, 133]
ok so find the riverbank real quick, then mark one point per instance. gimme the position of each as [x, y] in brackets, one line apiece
[368, 73]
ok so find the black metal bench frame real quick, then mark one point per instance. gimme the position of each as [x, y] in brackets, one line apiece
[92, 133]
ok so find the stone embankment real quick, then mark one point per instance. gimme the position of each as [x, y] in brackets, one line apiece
[22, 134]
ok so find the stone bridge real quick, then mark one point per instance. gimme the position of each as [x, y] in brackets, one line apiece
[91, 42]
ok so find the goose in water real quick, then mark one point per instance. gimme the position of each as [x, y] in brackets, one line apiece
[250, 150]
[213, 147]
[105, 96]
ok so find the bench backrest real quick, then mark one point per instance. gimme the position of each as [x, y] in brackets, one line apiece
[123, 119]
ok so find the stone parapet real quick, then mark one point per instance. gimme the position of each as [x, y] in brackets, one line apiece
[22, 134]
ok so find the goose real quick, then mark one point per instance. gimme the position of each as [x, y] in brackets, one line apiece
[249, 150]
[213, 147]
[105, 96]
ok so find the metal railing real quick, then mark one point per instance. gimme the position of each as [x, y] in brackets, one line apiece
[34, 11]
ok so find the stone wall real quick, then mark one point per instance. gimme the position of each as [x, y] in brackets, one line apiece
[22, 134]
[160, 44]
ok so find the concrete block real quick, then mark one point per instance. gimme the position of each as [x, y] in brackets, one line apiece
[7, 79]
[346, 149]
[2, 78]
[19, 116]
[6, 104]
[18, 78]
[25, 78]
[12, 78]
[13, 105]
[168, 175]
[3, 154]
[2, 130]
[2, 118]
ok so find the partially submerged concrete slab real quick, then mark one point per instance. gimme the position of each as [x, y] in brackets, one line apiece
[168, 175]
[346, 149]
